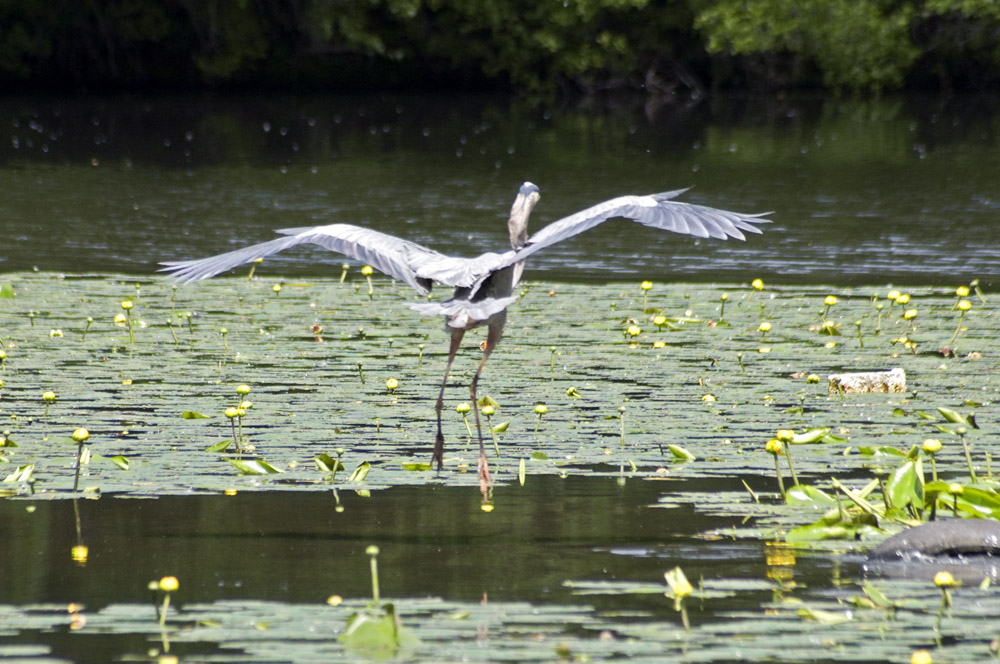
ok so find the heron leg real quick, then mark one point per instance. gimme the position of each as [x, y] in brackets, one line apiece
[492, 338]
[456, 341]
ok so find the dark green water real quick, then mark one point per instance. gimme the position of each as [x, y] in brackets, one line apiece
[866, 193]
[895, 190]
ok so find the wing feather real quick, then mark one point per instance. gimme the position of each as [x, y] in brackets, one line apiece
[657, 211]
[400, 259]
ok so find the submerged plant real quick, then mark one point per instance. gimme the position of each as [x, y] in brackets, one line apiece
[645, 288]
[165, 586]
[773, 447]
[367, 271]
[49, 397]
[80, 436]
[488, 409]
[829, 301]
[945, 582]
[376, 627]
[463, 410]
[540, 409]
[787, 436]
[253, 267]
[962, 306]
[931, 447]
[127, 306]
[680, 589]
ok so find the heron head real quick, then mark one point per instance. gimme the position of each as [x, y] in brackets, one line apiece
[527, 197]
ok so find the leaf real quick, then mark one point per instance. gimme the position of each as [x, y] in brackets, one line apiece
[539, 456]
[680, 453]
[811, 436]
[253, 466]
[824, 617]
[360, 473]
[881, 450]
[878, 598]
[417, 465]
[120, 461]
[488, 401]
[220, 446]
[6, 291]
[22, 474]
[191, 415]
[954, 417]
[804, 494]
[500, 428]
[378, 630]
[327, 464]
[903, 487]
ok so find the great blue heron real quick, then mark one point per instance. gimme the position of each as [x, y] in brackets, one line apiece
[483, 285]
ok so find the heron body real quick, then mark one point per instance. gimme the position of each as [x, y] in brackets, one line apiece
[483, 284]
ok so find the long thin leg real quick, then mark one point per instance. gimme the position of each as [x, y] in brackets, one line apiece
[492, 337]
[456, 341]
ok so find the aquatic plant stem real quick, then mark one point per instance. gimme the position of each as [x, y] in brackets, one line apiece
[961, 318]
[777, 470]
[372, 551]
[791, 468]
[968, 455]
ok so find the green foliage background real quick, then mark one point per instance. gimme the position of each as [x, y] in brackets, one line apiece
[524, 46]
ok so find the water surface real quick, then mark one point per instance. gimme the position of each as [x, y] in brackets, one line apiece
[894, 190]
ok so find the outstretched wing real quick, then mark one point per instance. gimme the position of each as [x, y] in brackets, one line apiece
[655, 210]
[388, 254]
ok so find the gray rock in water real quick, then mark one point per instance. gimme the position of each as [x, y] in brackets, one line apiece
[968, 548]
[953, 538]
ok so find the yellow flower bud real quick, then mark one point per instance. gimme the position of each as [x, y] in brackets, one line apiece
[758, 284]
[944, 579]
[169, 584]
[932, 446]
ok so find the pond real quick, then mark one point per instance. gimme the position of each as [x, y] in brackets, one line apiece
[651, 453]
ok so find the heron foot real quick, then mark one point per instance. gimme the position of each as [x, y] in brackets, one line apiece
[438, 454]
[485, 481]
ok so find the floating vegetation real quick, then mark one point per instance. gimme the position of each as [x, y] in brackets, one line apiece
[131, 388]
